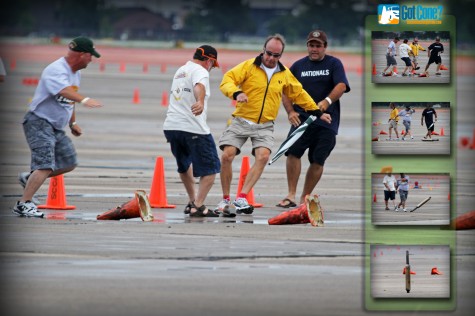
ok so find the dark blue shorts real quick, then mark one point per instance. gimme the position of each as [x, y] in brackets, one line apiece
[319, 141]
[407, 61]
[196, 149]
[389, 195]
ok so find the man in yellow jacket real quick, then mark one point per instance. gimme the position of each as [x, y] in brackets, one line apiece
[415, 47]
[257, 85]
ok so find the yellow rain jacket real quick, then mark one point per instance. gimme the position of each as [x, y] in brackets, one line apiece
[415, 49]
[264, 97]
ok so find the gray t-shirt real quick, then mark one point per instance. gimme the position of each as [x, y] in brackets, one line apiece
[47, 103]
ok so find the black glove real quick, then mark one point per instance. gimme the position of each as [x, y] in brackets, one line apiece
[317, 113]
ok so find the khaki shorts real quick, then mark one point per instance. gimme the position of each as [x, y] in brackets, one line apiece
[237, 133]
[393, 124]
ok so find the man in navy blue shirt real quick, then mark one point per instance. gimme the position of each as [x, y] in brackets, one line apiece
[323, 77]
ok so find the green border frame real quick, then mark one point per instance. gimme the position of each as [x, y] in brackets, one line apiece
[409, 235]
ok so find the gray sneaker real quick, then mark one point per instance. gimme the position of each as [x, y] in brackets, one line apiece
[242, 206]
[27, 209]
[23, 179]
[224, 207]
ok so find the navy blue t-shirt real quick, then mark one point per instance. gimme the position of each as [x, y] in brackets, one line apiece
[319, 78]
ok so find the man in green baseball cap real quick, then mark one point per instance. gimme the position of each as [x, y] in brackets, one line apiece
[83, 44]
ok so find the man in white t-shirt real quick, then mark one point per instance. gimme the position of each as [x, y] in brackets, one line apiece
[389, 182]
[404, 51]
[52, 109]
[186, 130]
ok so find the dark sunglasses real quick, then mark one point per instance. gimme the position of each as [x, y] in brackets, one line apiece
[276, 55]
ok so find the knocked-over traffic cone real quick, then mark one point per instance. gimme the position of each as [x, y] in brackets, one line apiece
[375, 139]
[443, 67]
[383, 133]
[245, 167]
[139, 206]
[434, 133]
[464, 221]
[374, 70]
[308, 212]
[136, 98]
[435, 271]
[404, 271]
[56, 195]
[158, 191]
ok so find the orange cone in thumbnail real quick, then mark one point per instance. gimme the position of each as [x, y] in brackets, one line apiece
[158, 190]
[139, 206]
[245, 167]
[374, 70]
[443, 67]
[56, 195]
[435, 271]
[308, 212]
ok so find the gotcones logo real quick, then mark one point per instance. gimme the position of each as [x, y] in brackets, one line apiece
[388, 14]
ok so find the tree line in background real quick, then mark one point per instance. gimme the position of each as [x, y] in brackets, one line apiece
[211, 20]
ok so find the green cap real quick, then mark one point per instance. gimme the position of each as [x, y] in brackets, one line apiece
[83, 44]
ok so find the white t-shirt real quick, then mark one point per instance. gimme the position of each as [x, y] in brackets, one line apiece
[47, 103]
[179, 115]
[392, 48]
[404, 50]
[390, 181]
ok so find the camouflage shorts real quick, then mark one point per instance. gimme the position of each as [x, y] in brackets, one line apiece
[50, 148]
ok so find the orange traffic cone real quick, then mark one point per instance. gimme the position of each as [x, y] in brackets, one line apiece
[434, 133]
[403, 132]
[375, 200]
[139, 206]
[136, 98]
[122, 67]
[374, 70]
[245, 166]
[383, 133]
[435, 271]
[443, 67]
[464, 221]
[404, 271]
[56, 195]
[395, 70]
[158, 191]
[375, 139]
[164, 98]
[442, 132]
[308, 212]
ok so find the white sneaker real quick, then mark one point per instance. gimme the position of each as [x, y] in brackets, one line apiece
[223, 206]
[396, 209]
[405, 210]
[242, 206]
[23, 179]
[27, 209]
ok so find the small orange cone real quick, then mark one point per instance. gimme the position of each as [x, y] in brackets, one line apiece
[442, 132]
[404, 271]
[145, 68]
[443, 67]
[434, 133]
[383, 133]
[374, 70]
[136, 98]
[308, 212]
[139, 206]
[374, 198]
[245, 167]
[56, 195]
[122, 67]
[435, 271]
[464, 141]
[402, 132]
[464, 221]
[158, 191]
[164, 98]
[395, 70]
[375, 139]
